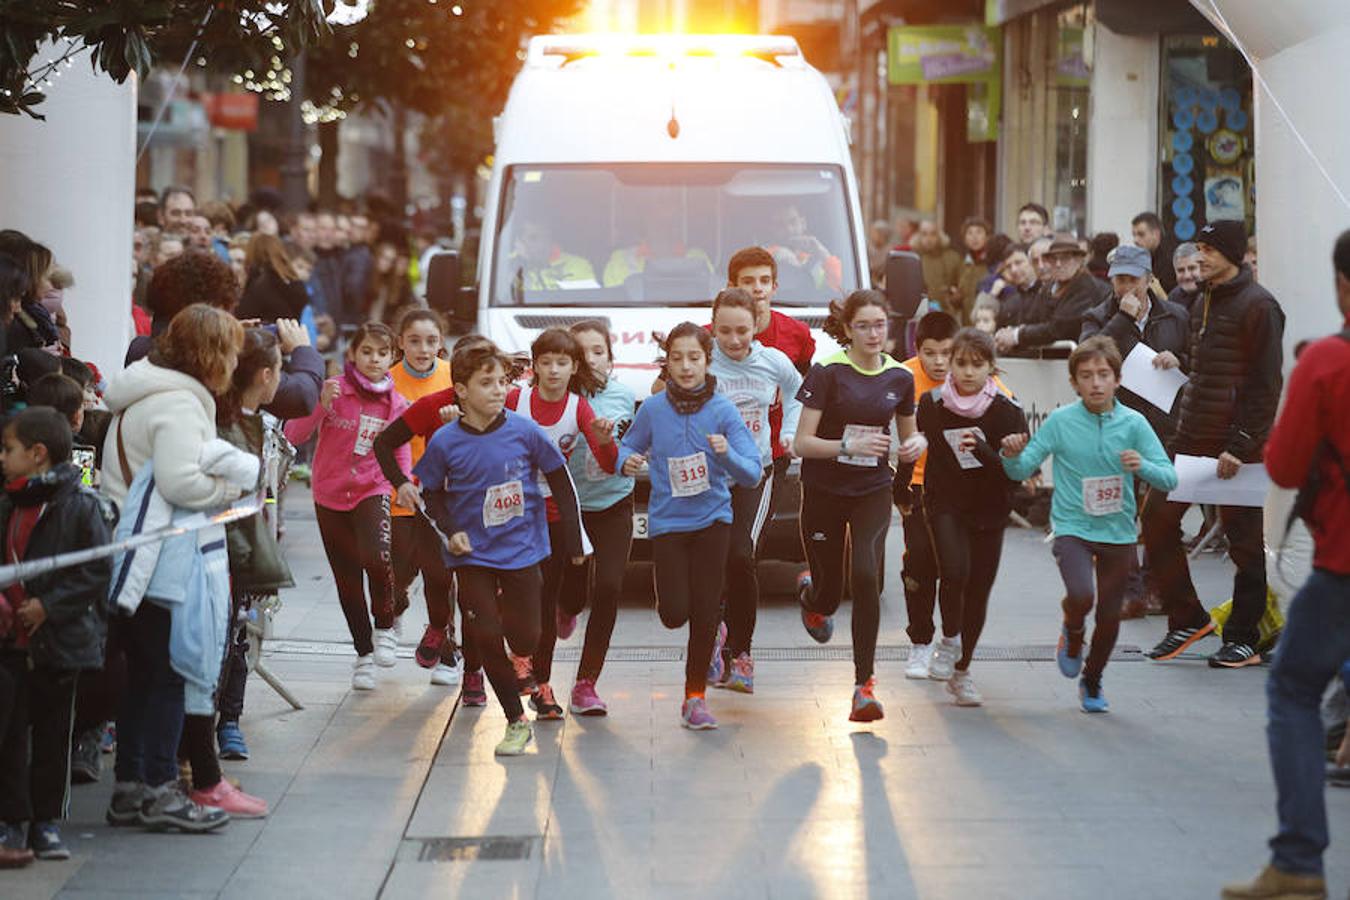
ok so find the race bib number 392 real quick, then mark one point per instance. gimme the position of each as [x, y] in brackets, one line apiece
[1104, 496]
[502, 503]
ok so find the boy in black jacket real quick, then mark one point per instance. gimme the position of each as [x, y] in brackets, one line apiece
[58, 623]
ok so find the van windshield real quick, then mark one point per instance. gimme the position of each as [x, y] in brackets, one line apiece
[656, 234]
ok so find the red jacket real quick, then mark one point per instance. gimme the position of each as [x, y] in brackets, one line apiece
[1315, 409]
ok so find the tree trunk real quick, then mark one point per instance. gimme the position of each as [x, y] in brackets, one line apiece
[294, 166]
[328, 172]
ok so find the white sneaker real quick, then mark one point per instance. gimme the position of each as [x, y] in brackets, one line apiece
[363, 673]
[962, 688]
[386, 647]
[920, 655]
[945, 654]
[445, 675]
[398, 627]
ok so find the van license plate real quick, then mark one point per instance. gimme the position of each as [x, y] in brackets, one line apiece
[640, 525]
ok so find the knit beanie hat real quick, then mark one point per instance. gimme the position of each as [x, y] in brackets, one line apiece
[1229, 237]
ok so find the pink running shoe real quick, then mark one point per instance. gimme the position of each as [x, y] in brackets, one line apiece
[428, 651]
[695, 715]
[229, 798]
[473, 692]
[585, 701]
[567, 624]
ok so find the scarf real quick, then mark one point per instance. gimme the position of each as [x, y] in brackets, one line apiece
[688, 402]
[971, 407]
[363, 384]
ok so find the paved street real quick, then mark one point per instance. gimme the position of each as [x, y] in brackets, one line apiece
[396, 793]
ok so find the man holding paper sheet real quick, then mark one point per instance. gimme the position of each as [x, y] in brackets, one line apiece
[1226, 411]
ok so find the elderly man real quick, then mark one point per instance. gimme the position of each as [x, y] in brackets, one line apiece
[1059, 317]
[1186, 262]
[1227, 408]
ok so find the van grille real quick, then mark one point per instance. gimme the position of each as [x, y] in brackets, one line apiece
[542, 322]
[816, 322]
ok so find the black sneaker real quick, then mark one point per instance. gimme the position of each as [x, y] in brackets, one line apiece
[86, 762]
[1177, 640]
[1235, 656]
[125, 806]
[172, 810]
[44, 838]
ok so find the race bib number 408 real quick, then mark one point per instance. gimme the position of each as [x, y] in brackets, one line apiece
[502, 503]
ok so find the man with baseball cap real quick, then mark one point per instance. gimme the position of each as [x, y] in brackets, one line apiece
[1059, 316]
[1134, 314]
[1235, 362]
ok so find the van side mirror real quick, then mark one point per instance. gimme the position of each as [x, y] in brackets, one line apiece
[446, 295]
[904, 283]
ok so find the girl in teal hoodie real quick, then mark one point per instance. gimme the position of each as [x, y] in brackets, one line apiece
[1099, 447]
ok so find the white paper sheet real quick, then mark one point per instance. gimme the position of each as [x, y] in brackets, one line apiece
[1198, 481]
[1157, 386]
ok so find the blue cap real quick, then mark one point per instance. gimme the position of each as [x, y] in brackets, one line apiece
[1127, 259]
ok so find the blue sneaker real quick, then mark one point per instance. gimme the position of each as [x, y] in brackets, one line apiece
[45, 840]
[821, 628]
[231, 741]
[717, 668]
[1092, 698]
[1070, 665]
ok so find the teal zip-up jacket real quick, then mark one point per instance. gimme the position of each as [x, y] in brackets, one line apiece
[596, 488]
[1088, 445]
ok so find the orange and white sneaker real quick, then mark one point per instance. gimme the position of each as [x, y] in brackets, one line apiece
[866, 707]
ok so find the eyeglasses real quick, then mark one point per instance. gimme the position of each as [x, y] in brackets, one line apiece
[873, 327]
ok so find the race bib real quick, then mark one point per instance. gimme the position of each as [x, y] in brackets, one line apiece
[1104, 496]
[503, 503]
[367, 430]
[965, 457]
[688, 474]
[752, 414]
[854, 433]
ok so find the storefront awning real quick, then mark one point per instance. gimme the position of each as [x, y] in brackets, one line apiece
[1152, 17]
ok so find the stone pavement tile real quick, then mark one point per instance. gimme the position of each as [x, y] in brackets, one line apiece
[139, 894]
[172, 863]
[493, 799]
[1010, 882]
[307, 874]
[486, 879]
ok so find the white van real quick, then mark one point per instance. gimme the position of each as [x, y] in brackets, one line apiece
[628, 170]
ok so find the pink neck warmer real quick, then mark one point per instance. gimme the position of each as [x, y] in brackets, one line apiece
[971, 407]
[364, 384]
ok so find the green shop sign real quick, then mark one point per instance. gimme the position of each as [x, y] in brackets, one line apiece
[952, 54]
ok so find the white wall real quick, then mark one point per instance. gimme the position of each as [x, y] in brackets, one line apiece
[69, 182]
[1303, 54]
[1123, 130]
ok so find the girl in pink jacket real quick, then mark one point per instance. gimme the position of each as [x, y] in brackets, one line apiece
[351, 495]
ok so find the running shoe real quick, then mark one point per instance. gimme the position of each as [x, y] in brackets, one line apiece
[742, 679]
[962, 688]
[444, 676]
[170, 809]
[866, 707]
[1233, 655]
[86, 763]
[695, 716]
[363, 673]
[44, 839]
[920, 656]
[1069, 653]
[229, 798]
[524, 667]
[943, 663]
[428, 651]
[230, 740]
[1091, 696]
[717, 669]
[12, 857]
[545, 707]
[473, 692]
[386, 647]
[1273, 884]
[821, 628]
[566, 623]
[517, 738]
[125, 806]
[585, 701]
[1177, 640]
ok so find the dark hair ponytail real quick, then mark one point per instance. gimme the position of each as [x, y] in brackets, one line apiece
[560, 340]
[261, 350]
[841, 314]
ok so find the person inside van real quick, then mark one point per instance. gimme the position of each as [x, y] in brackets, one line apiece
[538, 263]
[662, 240]
[794, 248]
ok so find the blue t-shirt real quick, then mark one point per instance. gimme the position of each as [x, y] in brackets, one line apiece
[486, 484]
[859, 401]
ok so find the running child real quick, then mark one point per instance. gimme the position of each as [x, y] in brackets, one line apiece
[851, 400]
[1099, 446]
[416, 548]
[480, 475]
[755, 378]
[554, 401]
[351, 495]
[695, 443]
[967, 499]
[607, 513]
[422, 420]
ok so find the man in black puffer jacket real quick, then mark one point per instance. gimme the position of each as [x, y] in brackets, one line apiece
[1227, 409]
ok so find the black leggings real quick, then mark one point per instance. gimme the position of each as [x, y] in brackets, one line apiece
[599, 579]
[749, 511]
[513, 617]
[552, 570]
[1077, 559]
[920, 572]
[968, 558]
[829, 522]
[357, 544]
[198, 747]
[688, 567]
[417, 548]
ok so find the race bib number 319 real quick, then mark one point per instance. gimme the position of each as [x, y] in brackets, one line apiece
[688, 474]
